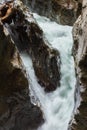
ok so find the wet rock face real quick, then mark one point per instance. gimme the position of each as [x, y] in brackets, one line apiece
[62, 11]
[16, 110]
[81, 67]
[28, 37]
[44, 60]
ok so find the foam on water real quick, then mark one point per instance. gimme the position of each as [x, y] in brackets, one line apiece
[57, 106]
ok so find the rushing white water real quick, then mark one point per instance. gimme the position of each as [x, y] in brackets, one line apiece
[58, 105]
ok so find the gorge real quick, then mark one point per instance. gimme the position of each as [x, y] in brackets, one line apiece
[58, 102]
[42, 73]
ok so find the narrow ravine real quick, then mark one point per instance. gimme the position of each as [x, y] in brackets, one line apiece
[57, 106]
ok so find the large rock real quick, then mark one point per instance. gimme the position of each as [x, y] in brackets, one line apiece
[80, 55]
[16, 110]
[28, 37]
[62, 11]
[46, 60]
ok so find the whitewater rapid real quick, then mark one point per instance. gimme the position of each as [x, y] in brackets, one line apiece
[57, 106]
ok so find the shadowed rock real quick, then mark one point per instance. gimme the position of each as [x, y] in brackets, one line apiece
[16, 110]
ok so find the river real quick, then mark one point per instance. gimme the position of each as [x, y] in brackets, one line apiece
[57, 106]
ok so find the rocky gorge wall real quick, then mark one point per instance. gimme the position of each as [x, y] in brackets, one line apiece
[80, 56]
[15, 105]
[62, 11]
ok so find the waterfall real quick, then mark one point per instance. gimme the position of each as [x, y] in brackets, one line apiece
[58, 105]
